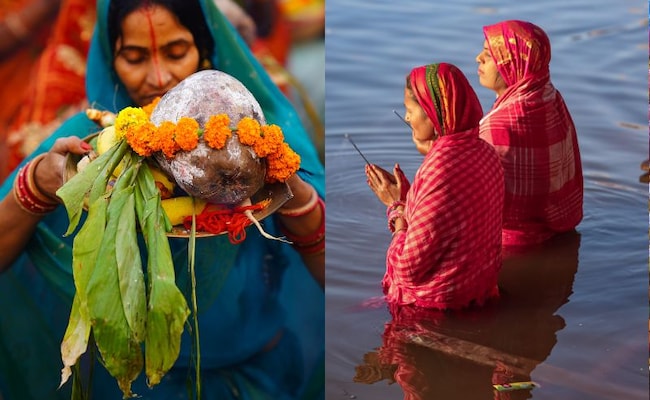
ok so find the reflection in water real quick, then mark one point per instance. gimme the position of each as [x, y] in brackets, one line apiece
[438, 355]
[645, 177]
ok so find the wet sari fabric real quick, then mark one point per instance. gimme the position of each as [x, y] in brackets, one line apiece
[531, 129]
[450, 254]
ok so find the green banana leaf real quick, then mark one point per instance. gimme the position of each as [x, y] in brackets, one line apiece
[167, 309]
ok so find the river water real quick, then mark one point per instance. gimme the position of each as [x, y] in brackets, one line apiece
[574, 313]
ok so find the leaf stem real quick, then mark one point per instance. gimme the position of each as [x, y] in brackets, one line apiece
[192, 271]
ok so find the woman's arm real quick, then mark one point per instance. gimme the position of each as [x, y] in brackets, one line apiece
[423, 229]
[18, 27]
[16, 227]
[416, 248]
[303, 220]
[32, 197]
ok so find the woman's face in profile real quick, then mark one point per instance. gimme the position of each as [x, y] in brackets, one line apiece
[488, 74]
[423, 133]
[154, 53]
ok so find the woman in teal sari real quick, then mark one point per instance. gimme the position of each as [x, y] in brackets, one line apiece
[261, 311]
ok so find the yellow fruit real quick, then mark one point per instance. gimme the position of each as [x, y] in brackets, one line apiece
[177, 208]
[106, 139]
[163, 179]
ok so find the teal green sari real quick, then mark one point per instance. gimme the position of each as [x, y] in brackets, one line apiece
[247, 293]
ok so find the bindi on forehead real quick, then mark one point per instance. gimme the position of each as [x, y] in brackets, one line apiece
[141, 24]
[155, 57]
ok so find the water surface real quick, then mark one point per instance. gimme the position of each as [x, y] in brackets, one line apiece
[574, 313]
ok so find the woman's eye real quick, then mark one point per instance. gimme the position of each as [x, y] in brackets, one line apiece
[137, 60]
[176, 56]
[132, 56]
[177, 51]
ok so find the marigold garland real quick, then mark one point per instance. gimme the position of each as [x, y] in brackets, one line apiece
[186, 134]
[148, 109]
[280, 165]
[217, 131]
[266, 141]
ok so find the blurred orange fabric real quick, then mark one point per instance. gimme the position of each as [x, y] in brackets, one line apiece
[55, 88]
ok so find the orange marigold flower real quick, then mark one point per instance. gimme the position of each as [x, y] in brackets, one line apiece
[148, 109]
[164, 139]
[138, 136]
[217, 131]
[281, 164]
[270, 141]
[187, 133]
[248, 131]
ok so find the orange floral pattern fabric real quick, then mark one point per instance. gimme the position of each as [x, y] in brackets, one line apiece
[56, 86]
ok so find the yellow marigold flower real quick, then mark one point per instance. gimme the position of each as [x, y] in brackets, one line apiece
[248, 131]
[148, 109]
[138, 136]
[281, 164]
[270, 141]
[187, 133]
[164, 139]
[217, 131]
[127, 118]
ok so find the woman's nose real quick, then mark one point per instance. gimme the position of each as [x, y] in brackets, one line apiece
[158, 75]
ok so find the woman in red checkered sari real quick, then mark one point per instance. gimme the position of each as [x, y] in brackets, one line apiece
[531, 129]
[446, 246]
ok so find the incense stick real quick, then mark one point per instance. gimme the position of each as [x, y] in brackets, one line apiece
[349, 138]
[403, 120]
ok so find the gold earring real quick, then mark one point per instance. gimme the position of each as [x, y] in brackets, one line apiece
[206, 64]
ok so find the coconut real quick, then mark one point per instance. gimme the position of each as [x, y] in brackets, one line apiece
[225, 176]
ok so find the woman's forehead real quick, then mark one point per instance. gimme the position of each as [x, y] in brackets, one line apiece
[152, 24]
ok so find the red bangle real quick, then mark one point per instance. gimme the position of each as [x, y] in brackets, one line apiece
[303, 210]
[27, 195]
[399, 230]
[392, 216]
[309, 244]
[394, 205]
[315, 248]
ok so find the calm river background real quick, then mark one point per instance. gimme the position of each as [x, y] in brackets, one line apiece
[574, 313]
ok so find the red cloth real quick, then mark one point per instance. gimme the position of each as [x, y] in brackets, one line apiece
[454, 106]
[56, 88]
[531, 129]
[450, 254]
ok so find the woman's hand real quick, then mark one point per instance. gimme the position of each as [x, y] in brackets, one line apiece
[48, 175]
[388, 187]
[301, 191]
[17, 224]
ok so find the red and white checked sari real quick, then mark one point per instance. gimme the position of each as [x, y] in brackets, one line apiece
[449, 255]
[531, 129]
